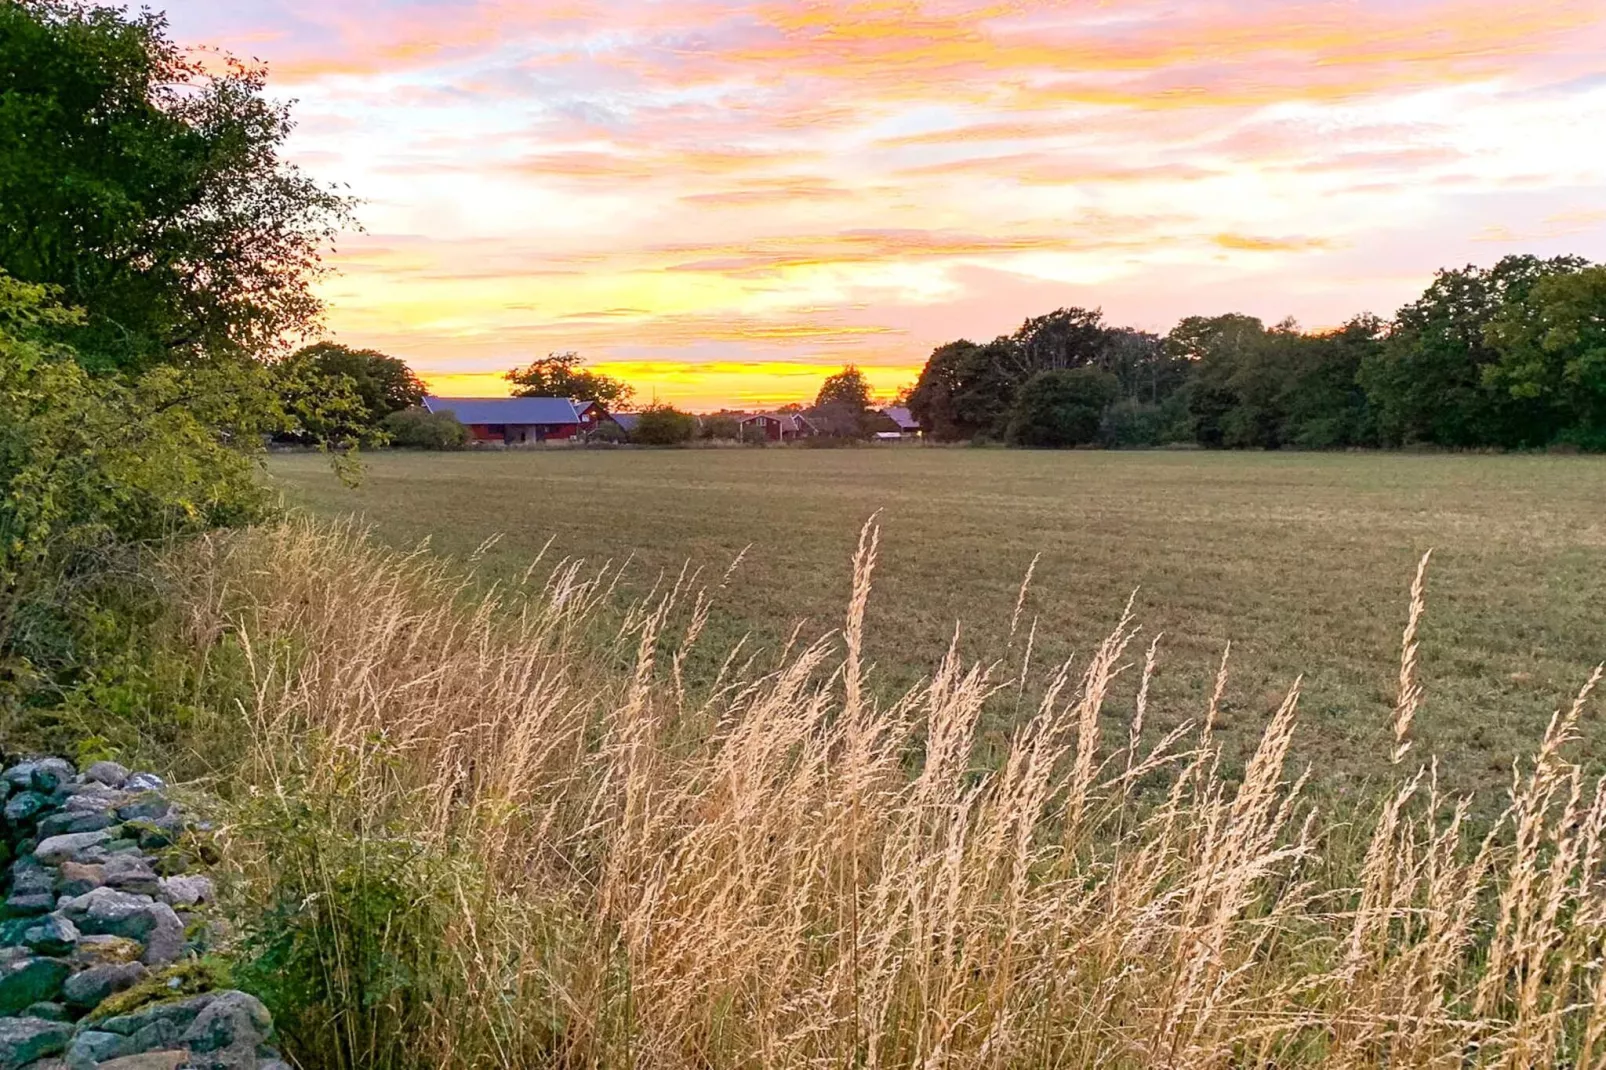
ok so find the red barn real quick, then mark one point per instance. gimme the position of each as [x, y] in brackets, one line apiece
[514, 421]
[776, 427]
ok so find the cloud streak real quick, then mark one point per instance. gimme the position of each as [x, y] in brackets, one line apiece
[741, 185]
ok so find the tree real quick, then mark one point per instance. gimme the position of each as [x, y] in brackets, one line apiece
[1062, 408]
[720, 427]
[384, 384]
[842, 405]
[421, 429]
[151, 191]
[1219, 349]
[1426, 383]
[559, 375]
[663, 425]
[1551, 359]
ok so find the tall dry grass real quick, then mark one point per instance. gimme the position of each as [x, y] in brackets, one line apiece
[606, 865]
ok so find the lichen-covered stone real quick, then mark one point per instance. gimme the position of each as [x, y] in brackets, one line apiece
[20, 808]
[55, 1012]
[66, 821]
[26, 979]
[89, 987]
[51, 935]
[186, 891]
[29, 904]
[137, 917]
[150, 1060]
[131, 873]
[109, 773]
[228, 1033]
[68, 847]
[92, 1047]
[178, 1013]
[50, 773]
[76, 878]
[26, 1040]
[148, 807]
[145, 782]
[97, 948]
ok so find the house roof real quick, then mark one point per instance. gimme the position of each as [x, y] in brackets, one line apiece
[627, 420]
[510, 410]
[901, 416]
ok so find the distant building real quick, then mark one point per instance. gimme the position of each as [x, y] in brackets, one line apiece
[903, 418]
[627, 421]
[515, 421]
[777, 426]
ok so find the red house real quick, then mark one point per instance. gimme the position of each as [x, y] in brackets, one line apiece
[776, 427]
[514, 421]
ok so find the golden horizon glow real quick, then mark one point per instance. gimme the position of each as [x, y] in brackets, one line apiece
[725, 200]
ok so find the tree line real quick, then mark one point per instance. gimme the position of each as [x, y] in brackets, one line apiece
[1511, 356]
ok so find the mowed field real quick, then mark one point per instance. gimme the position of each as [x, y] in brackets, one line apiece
[1302, 561]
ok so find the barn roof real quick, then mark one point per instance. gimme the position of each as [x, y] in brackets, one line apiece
[901, 416]
[510, 410]
[627, 420]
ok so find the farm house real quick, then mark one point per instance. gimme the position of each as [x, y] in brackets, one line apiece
[516, 421]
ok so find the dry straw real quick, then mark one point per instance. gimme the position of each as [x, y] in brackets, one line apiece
[779, 868]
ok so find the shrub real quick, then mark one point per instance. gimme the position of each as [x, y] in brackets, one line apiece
[720, 428]
[1062, 408]
[421, 429]
[663, 425]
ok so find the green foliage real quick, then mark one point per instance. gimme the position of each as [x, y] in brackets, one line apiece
[342, 943]
[1551, 359]
[384, 385]
[1062, 408]
[1427, 383]
[420, 429]
[720, 428]
[559, 375]
[842, 407]
[663, 425]
[85, 459]
[150, 189]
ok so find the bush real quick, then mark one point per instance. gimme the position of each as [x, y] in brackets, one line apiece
[1062, 408]
[663, 425]
[720, 428]
[420, 429]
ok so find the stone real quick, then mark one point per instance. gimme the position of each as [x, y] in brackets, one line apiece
[228, 1031]
[138, 917]
[145, 782]
[177, 1014]
[147, 807]
[88, 988]
[20, 808]
[68, 847]
[92, 1046]
[48, 774]
[26, 1040]
[24, 905]
[68, 821]
[28, 877]
[171, 1059]
[55, 1012]
[98, 948]
[79, 877]
[51, 935]
[186, 891]
[19, 776]
[109, 773]
[131, 873]
[28, 980]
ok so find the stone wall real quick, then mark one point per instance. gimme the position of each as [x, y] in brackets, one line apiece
[104, 929]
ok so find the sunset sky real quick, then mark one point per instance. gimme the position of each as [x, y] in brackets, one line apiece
[722, 201]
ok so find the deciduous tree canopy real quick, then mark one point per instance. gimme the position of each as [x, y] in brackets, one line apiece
[560, 375]
[151, 190]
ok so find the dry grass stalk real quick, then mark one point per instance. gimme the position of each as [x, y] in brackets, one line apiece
[777, 870]
[1410, 692]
